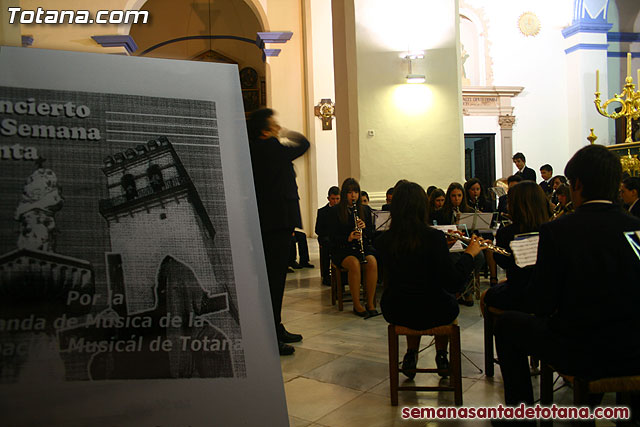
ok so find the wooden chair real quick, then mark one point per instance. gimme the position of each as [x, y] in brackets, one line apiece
[455, 367]
[337, 287]
[583, 387]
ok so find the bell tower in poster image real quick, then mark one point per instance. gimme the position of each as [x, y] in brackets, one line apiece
[163, 264]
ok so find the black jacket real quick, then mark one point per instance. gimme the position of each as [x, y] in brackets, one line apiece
[527, 174]
[275, 182]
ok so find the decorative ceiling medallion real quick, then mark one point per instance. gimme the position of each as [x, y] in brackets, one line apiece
[529, 24]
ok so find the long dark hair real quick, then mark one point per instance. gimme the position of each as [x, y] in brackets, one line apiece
[438, 192]
[447, 209]
[408, 216]
[349, 184]
[482, 199]
[528, 206]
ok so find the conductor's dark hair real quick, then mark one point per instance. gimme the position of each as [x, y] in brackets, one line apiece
[519, 156]
[390, 191]
[632, 183]
[334, 191]
[258, 121]
[514, 178]
[598, 170]
[546, 167]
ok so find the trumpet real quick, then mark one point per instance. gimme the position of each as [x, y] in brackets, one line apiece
[362, 257]
[484, 245]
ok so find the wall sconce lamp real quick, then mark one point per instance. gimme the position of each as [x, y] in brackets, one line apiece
[411, 77]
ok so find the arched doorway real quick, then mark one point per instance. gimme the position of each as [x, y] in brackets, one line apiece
[221, 31]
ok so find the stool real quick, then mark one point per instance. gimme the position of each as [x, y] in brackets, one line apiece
[583, 387]
[455, 367]
[337, 286]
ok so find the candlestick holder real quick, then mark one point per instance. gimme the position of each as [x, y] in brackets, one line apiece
[629, 99]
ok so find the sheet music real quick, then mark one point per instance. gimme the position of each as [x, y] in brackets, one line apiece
[633, 238]
[457, 246]
[381, 220]
[525, 249]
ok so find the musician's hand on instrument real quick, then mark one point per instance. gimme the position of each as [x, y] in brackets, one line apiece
[474, 248]
[361, 224]
[355, 235]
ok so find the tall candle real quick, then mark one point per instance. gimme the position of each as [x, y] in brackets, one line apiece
[629, 64]
[598, 80]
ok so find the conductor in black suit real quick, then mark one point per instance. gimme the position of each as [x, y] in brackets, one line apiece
[278, 207]
[584, 288]
[525, 172]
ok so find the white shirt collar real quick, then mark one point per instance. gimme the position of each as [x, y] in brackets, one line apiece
[609, 202]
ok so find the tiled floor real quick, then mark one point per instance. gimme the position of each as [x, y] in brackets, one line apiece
[339, 374]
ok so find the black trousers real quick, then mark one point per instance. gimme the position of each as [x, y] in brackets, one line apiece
[519, 335]
[276, 245]
[299, 239]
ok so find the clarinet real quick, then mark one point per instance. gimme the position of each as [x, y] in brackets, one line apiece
[361, 256]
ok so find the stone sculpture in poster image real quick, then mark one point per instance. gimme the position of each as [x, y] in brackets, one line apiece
[166, 316]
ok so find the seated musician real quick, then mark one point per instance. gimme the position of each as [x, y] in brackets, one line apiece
[528, 208]
[322, 230]
[630, 192]
[352, 249]
[477, 201]
[591, 295]
[564, 206]
[503, 209]
[454, 204]
[419, 275]
[436, 202]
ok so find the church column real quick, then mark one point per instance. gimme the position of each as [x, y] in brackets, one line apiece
[586, 50]
[346, 88]
[506, 123]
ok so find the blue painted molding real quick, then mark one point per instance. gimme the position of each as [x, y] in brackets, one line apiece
[586, 27]
[586, 46]
[590, 11]
[272, 52]
[623, 37]
[622, 54]
[27, 41]
[125, 41]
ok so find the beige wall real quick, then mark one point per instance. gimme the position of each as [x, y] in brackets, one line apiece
[418, 128]
[9, 34]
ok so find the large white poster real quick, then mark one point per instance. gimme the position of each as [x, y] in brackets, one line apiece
[132, 286]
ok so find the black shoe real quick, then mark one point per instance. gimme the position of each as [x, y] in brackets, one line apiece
[362, 313]
[307, 265]
[295, 265]
[468, 303]
[442, 362]
[285, 349]
[372, 312]
[290, 270]
[410, 361]
[285, 336]
[326, 282]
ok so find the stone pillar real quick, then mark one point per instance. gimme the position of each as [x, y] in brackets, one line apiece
[506, 123]
[346, 88]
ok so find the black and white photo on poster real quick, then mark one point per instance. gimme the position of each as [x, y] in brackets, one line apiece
[115, 255]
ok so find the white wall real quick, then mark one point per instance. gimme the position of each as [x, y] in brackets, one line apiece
[537, 63]
[418, 128]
